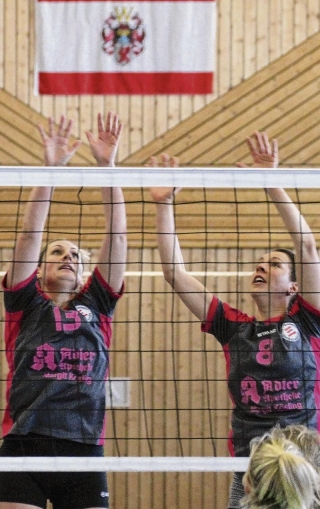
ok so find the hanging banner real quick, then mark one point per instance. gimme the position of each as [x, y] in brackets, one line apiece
[119, 47]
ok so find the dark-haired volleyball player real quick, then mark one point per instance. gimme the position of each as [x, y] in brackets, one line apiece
[58, 332]
[272, 358]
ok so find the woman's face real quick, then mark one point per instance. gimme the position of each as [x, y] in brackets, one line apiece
[61, 266]
[273, 275]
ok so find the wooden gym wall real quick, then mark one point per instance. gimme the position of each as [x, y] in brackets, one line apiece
[252, 36]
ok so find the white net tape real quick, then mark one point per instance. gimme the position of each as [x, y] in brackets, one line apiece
[129, 464]
[148, 177]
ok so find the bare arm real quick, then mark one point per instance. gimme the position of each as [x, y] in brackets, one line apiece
[113, 252]
[27, 248]
[190, 290]
[307, 259]
[265, 155]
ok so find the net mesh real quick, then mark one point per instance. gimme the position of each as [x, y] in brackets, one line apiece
[168, 410]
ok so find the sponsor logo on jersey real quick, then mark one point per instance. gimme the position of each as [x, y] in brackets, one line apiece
[290, 332]
[104, 494]
[84, 311]
[267, 332]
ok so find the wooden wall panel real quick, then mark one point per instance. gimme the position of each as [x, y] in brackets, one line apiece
[217, 222]
[250, 35]
[2, 45]
[281, 99]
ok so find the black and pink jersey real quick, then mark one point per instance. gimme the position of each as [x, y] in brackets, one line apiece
[58, 361]
[273, 369]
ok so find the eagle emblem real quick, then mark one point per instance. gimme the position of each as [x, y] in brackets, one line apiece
[123, 35]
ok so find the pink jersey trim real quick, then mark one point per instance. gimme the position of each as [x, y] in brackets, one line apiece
[106, 285]
[304, 303]
[18, 286]
[205, 326]
[104, 424]
[12, 329]
[315, 344]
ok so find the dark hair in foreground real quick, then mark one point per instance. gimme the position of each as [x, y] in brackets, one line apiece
[291, 255]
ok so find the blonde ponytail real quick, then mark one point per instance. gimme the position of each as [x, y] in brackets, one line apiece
[279, 477]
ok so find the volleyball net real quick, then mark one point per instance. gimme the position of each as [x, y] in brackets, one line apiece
[167, 405]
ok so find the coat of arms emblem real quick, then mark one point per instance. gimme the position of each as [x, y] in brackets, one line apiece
[123, 34]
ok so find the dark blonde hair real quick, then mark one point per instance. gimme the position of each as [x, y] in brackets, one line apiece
[279, 476]
[85, 255]
[307, 439]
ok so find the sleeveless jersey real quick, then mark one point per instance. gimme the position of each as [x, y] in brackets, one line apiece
[58, 361]
[273, 369]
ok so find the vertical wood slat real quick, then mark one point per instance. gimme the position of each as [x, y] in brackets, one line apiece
[262, 30]
[73, 111]
[123, 110]
[250, 34]
[135, 123]
[224, 27]
[34, 100]
[288, 34]
[47, 109]
[312, 17]
[85, 106]
[147, 111]
[275, 29]
[22, 51]
[173, 111]
[59, 107]
[160, 114]
[111, 103]
[300, 21]
[237, 42]
[10, 47]
[2, 43]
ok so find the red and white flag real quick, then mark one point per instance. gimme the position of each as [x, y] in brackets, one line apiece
[120, 47]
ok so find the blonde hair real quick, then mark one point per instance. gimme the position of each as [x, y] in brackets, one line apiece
[279, 476]
[307, 439]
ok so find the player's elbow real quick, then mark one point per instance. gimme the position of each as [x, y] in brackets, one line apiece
[309, 248]
[173, 274]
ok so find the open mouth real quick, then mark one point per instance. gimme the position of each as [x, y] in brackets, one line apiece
[66, 267]
[259, 279]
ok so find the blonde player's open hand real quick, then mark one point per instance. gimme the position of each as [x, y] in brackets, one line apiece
[105, 148]
[56, 142]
